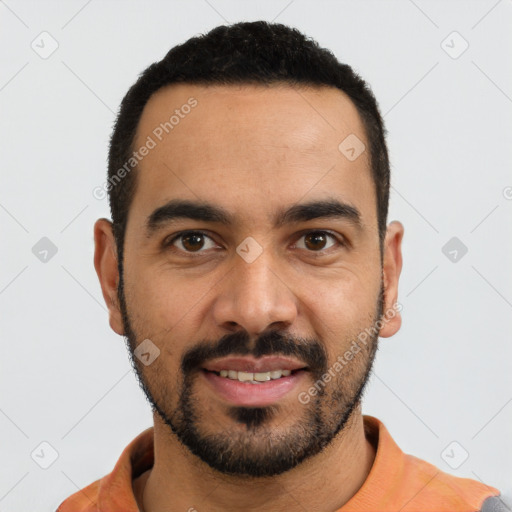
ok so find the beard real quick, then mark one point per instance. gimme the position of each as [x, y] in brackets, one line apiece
[255, 442]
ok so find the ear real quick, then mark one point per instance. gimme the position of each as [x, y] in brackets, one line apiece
[105, 263]
[391, 268]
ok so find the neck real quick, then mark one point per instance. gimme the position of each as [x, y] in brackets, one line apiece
[325, 482]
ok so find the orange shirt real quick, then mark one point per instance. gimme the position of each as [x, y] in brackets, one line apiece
[397, 482]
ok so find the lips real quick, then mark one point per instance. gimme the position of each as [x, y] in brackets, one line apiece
[252, 365]
[257, 394]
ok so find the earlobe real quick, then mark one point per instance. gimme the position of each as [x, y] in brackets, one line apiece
[391, 269]
[105, 263]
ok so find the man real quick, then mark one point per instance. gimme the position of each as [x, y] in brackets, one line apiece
[251, 269]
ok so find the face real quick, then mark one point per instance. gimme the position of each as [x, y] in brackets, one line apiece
[251, 247]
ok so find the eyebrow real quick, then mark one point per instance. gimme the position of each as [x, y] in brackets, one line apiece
[185, 209]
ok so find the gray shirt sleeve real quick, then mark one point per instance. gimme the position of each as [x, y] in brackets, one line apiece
[494, 504]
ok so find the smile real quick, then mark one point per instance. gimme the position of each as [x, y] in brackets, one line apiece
[253, 389]
[254, 377]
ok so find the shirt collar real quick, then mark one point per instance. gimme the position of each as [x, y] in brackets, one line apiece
[116, 489]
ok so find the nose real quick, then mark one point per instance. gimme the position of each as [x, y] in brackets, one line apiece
[256, 297]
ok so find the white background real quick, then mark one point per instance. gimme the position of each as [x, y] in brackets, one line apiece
[65, 377]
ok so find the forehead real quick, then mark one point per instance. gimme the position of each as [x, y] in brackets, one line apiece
[239, 146]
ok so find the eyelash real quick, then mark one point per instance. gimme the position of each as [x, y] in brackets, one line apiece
[169, 243]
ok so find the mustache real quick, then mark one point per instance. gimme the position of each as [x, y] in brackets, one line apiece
[309, 351]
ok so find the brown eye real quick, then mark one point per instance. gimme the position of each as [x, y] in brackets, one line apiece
[315, 241]
[191, 241]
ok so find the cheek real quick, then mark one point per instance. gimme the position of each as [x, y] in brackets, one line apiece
[155, 293]
[169, 308]
[349, 288]
[341, 308]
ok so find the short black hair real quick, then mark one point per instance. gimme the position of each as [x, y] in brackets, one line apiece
[243, 53]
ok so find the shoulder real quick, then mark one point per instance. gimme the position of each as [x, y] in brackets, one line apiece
[452, 493]
[85, 500]
[401, 481]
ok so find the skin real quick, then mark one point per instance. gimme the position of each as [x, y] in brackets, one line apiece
[253, 150]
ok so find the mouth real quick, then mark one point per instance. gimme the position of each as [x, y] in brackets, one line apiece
[254, 389]
[255, 377]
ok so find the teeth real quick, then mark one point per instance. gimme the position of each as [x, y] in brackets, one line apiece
[254, 377]
[262, 377]
[245, 376]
